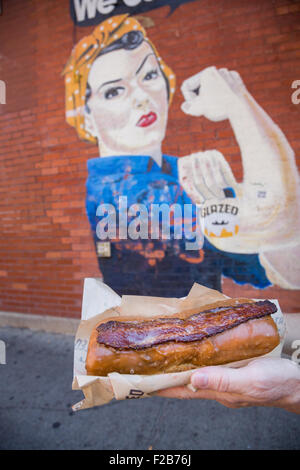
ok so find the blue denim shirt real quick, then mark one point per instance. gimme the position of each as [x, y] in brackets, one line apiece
[158, 267]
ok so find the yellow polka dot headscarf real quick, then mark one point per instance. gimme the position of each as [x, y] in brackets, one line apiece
[82, 57]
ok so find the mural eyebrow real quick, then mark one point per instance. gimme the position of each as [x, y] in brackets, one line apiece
[142, 64]
[107, 83]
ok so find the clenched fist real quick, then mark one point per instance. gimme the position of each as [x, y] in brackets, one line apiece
[212, 93]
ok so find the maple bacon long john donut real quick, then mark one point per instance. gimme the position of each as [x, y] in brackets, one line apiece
[219, 335]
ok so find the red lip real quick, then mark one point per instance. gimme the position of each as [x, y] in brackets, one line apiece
[147, 119]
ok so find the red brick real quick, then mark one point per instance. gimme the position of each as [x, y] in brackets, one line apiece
[19, 286]
[285, 9]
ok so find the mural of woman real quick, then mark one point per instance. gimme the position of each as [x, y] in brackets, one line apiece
[118, 92]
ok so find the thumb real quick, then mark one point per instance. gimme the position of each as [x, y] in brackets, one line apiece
[193, 107]
[220, 379]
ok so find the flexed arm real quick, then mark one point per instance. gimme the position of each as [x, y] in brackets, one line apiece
[268, 197]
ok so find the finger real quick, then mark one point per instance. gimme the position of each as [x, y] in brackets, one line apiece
[238, 404]
[190, 88]
[217, 171]
[193, 107]
[204, 178]
[217, 183]
[238, 79]
[186, 179]
[184, 393]
[226, 75]
[225, 171]
[177, 392]
[222, 379]
[198, 177]
[231, 400]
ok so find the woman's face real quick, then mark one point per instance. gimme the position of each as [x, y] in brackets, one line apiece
[128, 103]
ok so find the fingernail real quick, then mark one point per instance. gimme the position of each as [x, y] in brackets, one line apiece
[200, 380]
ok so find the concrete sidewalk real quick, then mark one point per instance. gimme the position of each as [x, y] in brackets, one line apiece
[36, 399]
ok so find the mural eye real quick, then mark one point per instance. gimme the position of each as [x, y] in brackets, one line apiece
[113, 92]
[151, 75]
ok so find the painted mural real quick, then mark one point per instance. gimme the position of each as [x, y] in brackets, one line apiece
[118, 93]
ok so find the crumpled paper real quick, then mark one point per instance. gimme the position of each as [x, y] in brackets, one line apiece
[100, 302]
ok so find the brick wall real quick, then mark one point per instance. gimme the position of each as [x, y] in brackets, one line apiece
[46, 248]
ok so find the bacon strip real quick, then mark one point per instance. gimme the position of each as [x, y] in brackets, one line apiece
[145, 334]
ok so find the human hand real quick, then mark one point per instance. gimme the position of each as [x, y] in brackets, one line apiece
[263, 382]
[213, 93]
[205, 175]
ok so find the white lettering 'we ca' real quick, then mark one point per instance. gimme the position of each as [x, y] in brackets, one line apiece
[89, 8]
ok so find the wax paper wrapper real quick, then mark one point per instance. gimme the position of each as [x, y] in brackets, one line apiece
[101, 302]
